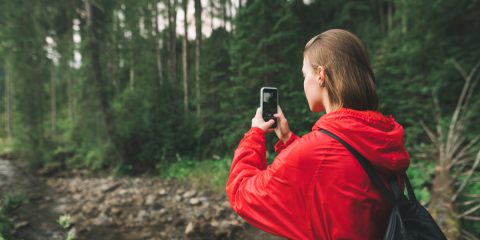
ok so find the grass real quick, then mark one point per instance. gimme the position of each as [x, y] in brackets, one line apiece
[207, 174]
[6, 147]
[211, 174]
[8, 203]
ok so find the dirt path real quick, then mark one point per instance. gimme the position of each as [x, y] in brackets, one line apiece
[119, 208]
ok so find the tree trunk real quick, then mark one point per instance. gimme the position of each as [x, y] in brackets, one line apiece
[230, 10]
[158, 47]
[198, 45]
[53, 99]
[389, 15]
[172, 18]
[70, 100]
[185, 57]
[8, 103]
[224, 13]
[404, 17]
[94, 23]
[441, 205]
[212, 15]
[132, 74]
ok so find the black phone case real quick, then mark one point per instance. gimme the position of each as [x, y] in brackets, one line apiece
[267, 118]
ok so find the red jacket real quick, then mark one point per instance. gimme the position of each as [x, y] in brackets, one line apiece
[315, 188]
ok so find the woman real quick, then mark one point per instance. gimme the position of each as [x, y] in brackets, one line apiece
[315, 188]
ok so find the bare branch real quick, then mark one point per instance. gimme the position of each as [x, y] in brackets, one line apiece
[455, 145]
[469, 202]
[461, 100]
[459, 68]
[473, 195]
[470, 211]
[437, 112]
[470, 173]
[468, 235]
[467, 147]
[430, 134]
[473, 218]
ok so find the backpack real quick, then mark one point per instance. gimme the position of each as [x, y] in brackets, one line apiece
[408, 219]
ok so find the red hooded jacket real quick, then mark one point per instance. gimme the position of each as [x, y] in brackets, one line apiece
[315, 188]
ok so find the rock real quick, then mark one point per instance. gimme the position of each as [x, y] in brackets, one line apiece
[156, 206]
[74, 219]
[115, 210]
[150, 199]
[195, 201]
[100, 220]
[214, 223]
[226, 204]
[220, 212]
[137, 200]
[178, 198]
[113, 201]
[77, 196]
[180, 191]
[162, 192]
[108, 187]
[189, 229]
[20, 225]
[178, 222]
[88, 208]
[162, 211]
[142, 215]
[72, 233]
[189, 194]
[145, 235]
[122, 192]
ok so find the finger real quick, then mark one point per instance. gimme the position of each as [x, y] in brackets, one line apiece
[258, 113]
[269, 124]
[270, 130]
[279, 115]
[279, 109]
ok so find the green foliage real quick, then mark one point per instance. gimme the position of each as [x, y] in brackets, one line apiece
[207, 174]
[5, 226]
[122, 170]
[9, 203]
[420, 174]
[64, 221]
[472, 189]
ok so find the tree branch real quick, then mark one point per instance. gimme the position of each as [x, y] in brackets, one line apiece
[430, 134]
[472, 170]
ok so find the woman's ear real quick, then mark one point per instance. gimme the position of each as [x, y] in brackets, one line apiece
[320, 75]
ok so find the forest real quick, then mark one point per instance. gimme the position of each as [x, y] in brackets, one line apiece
[126, 94]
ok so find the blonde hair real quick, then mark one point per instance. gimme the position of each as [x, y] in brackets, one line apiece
[350, 80]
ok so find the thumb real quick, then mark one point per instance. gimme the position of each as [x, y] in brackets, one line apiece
[269, 123]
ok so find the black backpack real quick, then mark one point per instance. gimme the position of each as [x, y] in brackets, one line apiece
[409, 219]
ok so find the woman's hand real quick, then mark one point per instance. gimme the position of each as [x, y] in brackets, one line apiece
[282, 130]
[258, 121]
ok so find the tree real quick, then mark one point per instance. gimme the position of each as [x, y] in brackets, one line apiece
[185, 56]
[198, 47]
[96, 19]
[172, 24]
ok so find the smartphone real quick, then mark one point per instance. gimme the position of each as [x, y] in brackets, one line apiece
[268, 103]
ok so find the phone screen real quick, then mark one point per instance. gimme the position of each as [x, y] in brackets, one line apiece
[269, 103]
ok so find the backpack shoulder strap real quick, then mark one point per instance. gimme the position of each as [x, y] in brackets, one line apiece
[367, 166]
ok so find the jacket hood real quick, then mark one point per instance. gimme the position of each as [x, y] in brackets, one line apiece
[379, 138]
